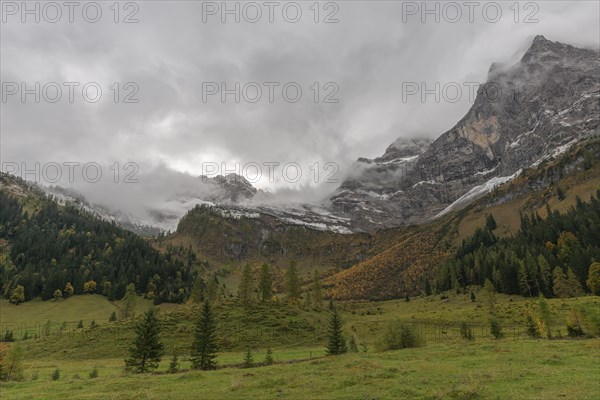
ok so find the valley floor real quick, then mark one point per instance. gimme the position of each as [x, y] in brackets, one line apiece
[505, 369]
[515, 367]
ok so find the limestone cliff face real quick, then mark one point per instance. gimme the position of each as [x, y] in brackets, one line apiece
[524, 113]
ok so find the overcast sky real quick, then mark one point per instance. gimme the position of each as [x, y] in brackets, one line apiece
[171, 51]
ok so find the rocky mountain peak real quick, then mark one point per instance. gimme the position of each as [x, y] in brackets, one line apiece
[403, 148]
[525, 113]
[544, 51]
[230, 187]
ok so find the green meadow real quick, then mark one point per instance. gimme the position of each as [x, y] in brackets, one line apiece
[447, 367]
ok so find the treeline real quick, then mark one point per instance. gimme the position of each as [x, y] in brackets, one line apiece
[550, 257]
[58, 251]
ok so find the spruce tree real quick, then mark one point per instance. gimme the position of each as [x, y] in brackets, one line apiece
[559, 283]
[269, 357]
[593, 280]
[174, 364]
[307, 299]
[490, 222]
[246, 285]
[490, 296]
[130, 299]
[248, 359]
[573, 284]
[337, 342]
[147, 348]
[265, 283]
[204, 347]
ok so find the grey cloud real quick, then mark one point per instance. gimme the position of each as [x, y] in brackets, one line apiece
[170, 52]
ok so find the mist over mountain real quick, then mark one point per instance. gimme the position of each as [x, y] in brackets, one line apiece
[526, 112]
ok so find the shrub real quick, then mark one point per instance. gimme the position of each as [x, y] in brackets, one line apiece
[466, 332]
[9, 336]
[496, 329]
[11, 363]
[94, 373]
[590, 320]
[352, 347]
[531, 327]
[55, 375]
[399, 336]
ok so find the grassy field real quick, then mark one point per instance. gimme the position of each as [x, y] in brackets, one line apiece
[505, 369]
[448, 367]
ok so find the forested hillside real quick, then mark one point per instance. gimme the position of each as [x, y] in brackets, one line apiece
[550, 256]
[429, 258]
[52, 250]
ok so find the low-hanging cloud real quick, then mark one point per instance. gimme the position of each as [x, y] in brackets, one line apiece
[171, 133]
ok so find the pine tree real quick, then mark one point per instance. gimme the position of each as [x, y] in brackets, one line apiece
[174, 364]
[337, 342]
[559, 283]
[490, 222]
[246, 285]
[560, 193]
[80, 324]
[545, 275]
[269, 357]
[265, 283]
[113, 317]
[524, 280]
[292, 281]
[248, 359]
[316, 291]
[544, 318]
[204, 347]
[427, 287]
[593, 280]
[473, 296]
[147, 349]
[573, 284]
[307, 299]
[130, 299]
[490, 296]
